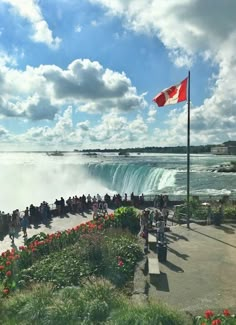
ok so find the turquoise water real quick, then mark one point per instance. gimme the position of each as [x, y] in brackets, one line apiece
[33, 177]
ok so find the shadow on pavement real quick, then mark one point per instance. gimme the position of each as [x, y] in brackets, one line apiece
[228, 230]
[173, 267]
[179, 236]
[160, 282]
[220, 241]
[183, 256]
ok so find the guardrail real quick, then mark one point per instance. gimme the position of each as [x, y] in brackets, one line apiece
[142, 202]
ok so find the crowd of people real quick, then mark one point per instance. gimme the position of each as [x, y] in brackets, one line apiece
[76, 204]
[157, 217]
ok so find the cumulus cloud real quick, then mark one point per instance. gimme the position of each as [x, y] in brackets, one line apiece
[84, 125]
[3, 132]
[89, 81]
[31, 11]
[115, 130]
[151, 114]
[38, 93]
[62, 133]
[189, 30]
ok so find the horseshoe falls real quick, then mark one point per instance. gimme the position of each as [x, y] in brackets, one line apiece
[31, 177]
[137, 178]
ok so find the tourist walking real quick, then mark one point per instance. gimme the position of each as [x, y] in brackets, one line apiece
[12, 230]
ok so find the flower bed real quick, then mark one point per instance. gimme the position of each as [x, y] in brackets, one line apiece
[12, 262]
[110, 254]
[210, 318]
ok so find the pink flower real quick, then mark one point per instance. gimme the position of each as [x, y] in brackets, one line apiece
[226, 312]
[208, 313]
[1, 267]
[120, 263]
[216, 322]
[8, 273]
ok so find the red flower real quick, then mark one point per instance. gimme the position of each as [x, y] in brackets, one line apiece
[120, 263]
[216, 322]
[8, 273]
[203, 324]
[1, 267]
[6, 291]
[8, 263]
[33, 250]
[22, 248]
[226, 312]
[208, 313]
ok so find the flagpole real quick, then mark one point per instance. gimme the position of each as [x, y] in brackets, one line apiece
[188, 152]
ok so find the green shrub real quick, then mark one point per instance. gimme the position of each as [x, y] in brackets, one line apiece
[112, 254]
[230, 212]
[28, 307]
[152, 314]
[97, 310]
[96, 302]
[128, 218]
[62, 269]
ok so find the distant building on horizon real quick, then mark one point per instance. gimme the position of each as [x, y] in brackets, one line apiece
[227, 148]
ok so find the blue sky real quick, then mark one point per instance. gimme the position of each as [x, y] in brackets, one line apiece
[82, 74]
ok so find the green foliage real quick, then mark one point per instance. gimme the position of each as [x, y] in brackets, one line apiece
[96, 302]
[63, 268]
[112, 254]
[41, 236]
[212, 318]
[230, 212]
[128, 218]
[151, 314]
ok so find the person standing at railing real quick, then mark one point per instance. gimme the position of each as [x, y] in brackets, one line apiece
[25, 225]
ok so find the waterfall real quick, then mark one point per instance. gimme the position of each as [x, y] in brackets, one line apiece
[132, 177]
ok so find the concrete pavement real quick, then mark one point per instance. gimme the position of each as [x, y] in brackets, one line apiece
[199, 273]
[56, 224]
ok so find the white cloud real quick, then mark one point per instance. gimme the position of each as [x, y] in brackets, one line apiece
[3, 132]
[78, 28]
[115, 130]
[94, 23]
[7, 60]
[152, 112]
[31, 11]
[38, 93]
[84, 125]
[112, 130]
[191, 29]
[61, 134]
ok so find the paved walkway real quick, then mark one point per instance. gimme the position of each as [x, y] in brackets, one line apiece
[200, 269]
[56, 224]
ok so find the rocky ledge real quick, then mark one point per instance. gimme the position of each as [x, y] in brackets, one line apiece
[225, 168]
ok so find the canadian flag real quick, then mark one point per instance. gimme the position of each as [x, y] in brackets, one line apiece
[172, 95]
